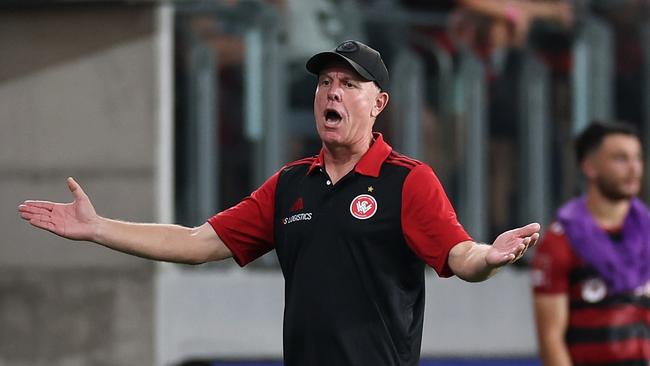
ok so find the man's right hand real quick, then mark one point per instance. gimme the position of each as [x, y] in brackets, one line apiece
[79, 221]
[76, 220]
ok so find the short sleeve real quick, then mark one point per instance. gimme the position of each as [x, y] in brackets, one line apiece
[429, 221]
[552, 262]
[247, 228]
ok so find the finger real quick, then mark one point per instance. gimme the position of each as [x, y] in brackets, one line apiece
[533, 240]
[27, 216]
[518, 251]
[42, 204]
[529, 243]
[504, 259]
[527, 230]
[520, 254]
[75, 188]
[33, 210]
[42, 218]
[42, 224]
[32, 216]
[521, 248]
[508, 259]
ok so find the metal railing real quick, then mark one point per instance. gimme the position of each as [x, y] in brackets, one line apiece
[200, 192]
[408, 91]
[592, 77]
[471, 107]
[535, 129]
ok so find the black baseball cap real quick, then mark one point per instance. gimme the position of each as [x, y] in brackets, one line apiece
[365, 60]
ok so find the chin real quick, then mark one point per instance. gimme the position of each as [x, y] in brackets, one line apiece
[631, 191]
[618, 191]
[332, 142]
[330, 137]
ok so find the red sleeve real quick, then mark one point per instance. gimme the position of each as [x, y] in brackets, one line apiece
[552, 262]
[429, 221]
[247, 228]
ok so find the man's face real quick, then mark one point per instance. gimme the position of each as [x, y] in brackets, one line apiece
[345, 106]
[616, 167]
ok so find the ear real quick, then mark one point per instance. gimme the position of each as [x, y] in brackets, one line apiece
[381, 101]
[588, 167]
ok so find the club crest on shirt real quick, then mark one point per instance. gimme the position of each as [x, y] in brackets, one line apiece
[594, 290]
[363, 206]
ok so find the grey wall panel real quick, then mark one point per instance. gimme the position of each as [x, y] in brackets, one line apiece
[78, 98]
[75, 317]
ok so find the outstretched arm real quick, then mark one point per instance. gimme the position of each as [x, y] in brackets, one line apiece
[476, 262]
[520, 14]
[559, 11]
[79, 221]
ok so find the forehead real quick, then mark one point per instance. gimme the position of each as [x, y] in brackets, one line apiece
[619, 141]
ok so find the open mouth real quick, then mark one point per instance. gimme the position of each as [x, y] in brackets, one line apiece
[332, 116]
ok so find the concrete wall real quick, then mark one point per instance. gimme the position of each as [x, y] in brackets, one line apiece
[77, 98]
[232, 313]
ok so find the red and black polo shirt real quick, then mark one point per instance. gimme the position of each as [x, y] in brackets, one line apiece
[603, 328]
[352, 254]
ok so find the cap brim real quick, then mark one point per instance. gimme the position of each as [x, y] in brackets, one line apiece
[319, 61]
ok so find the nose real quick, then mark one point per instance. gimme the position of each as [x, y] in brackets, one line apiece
[334, 93]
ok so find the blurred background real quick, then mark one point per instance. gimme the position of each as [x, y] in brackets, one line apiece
[170, 111]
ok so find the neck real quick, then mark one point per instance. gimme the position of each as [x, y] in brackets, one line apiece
[608, 214]
[340, 160]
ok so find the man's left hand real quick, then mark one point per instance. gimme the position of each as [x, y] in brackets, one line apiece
[512, 244]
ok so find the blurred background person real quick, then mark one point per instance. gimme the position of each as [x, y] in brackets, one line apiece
[591, 277]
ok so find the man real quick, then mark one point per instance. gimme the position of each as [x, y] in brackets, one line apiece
[591, 273]
[352, 227]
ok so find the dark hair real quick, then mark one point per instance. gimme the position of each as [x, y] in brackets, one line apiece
[591, 137]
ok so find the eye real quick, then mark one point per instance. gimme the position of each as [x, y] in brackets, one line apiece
[621, 158]
[349, 84]
[324, 82]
